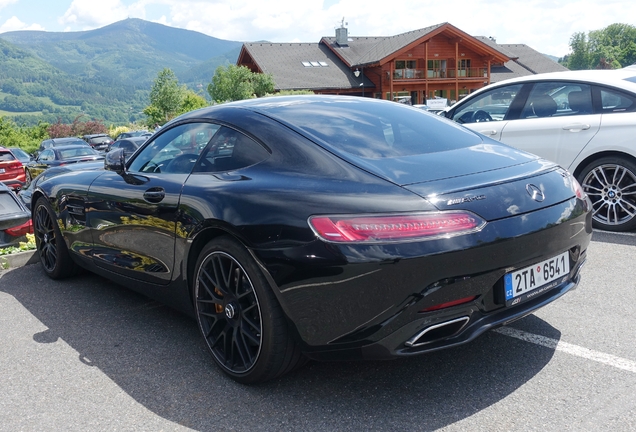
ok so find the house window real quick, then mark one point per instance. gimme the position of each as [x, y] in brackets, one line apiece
[436, 69]
[463, 68]
[405, 69]
[406, 64]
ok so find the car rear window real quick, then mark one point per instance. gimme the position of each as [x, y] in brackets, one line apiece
[6, 156]
[371, 129]
[8, 205]
[77, 152]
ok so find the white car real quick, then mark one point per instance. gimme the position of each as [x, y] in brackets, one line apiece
[583, 120]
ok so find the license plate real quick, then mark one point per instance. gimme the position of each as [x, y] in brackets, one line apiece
[524, 284]
[1, 170]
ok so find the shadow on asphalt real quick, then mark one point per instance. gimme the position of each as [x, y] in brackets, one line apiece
[614, 238]
[157, 357]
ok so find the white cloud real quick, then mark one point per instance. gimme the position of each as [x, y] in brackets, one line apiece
[4, 3]
[13, 24]
[545, 25]
[90, 14]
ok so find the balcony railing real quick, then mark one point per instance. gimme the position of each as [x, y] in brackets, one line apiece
[400, 74]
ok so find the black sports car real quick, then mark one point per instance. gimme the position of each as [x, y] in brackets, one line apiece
[322, 227]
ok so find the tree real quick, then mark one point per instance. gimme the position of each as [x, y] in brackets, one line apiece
[609, 48]
[579, 59]
[192, 101]
[166, 97]
[237, 83]
[263, 84]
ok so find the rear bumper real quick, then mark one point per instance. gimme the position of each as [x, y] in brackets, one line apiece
[370, 302]
[14, 184]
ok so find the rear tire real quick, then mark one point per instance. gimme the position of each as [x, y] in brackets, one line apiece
[243, 325]
[54, 255]
[610, 183]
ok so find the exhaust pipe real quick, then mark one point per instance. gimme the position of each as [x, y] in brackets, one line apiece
[435, 332]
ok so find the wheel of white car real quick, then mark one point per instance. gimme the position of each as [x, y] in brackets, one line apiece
[610, 183]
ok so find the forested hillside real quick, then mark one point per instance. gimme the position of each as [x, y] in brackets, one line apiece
[105, 73]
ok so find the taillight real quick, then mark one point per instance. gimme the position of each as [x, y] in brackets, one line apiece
[578, 190]
[20, 230]
[14, 165]
[383, 228]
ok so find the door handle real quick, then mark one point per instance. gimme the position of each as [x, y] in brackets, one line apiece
[576, 127]
[154, 195]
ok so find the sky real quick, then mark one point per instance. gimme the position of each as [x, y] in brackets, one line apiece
[545, 25]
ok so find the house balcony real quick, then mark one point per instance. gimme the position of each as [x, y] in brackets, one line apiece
[441, 74]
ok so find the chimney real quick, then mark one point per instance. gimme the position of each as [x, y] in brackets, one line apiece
[342, 35]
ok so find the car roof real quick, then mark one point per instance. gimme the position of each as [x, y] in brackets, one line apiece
[617, 78]
[95, 135]
[613, 77]
[56, 142]
[70, 146]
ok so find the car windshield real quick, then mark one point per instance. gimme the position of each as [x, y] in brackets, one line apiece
[20, 153]
[373, 130]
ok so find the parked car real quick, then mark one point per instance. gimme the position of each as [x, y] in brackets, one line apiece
[132, 134]
[322, 227]
[15, 219]
[24, 194]
[56, 142]
[129, 145]
[11, 169]
[62, 155]
[99, 142]
[21, 155]
[583, 120]
[428, 109]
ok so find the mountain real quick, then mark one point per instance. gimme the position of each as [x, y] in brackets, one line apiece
[98, 70]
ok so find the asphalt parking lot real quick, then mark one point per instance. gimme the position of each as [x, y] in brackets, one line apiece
[85, 354]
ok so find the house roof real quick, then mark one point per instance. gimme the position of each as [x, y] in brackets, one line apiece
[285, 60]
[287, 64]
[369, 50]
[533, 60]
[523, 61]
[363, 51]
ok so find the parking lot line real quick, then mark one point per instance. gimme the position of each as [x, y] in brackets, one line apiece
[597, 356]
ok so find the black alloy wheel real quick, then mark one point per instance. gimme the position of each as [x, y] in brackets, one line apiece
[239, 316]
[54, 255]
[610, 183]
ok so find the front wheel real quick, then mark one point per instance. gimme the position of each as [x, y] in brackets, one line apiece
[610, 183]
[54, 256]
[239, 316]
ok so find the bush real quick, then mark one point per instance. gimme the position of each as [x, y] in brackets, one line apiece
[77, 128]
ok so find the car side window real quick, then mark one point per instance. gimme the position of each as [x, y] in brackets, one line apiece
[556, 98]
[614, 101]
[46, 155]
[490, 106]
[176, 150]
[230, 150]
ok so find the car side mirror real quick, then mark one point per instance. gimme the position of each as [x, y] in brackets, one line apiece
[115, 160]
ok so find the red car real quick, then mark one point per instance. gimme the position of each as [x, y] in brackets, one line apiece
[11, 170]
